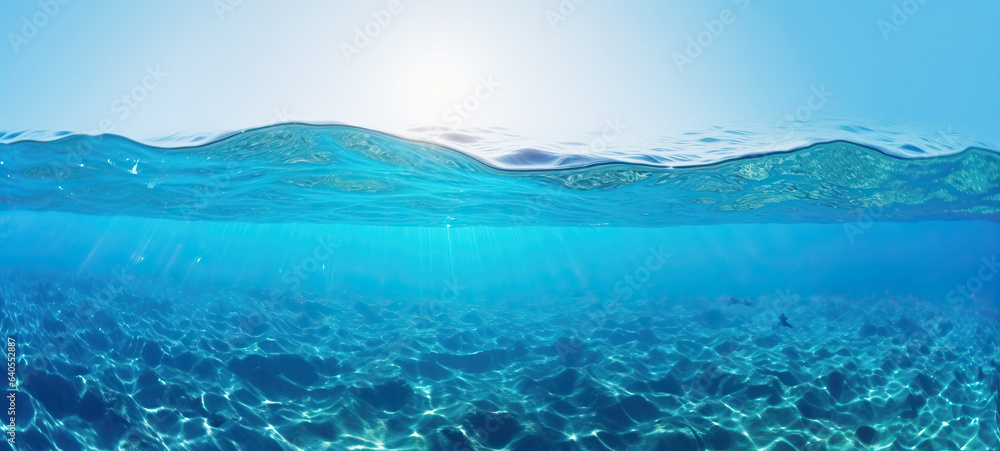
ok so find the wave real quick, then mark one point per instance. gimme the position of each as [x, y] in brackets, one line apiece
[340, 173]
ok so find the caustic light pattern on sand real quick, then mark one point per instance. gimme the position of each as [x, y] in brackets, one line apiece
[331, 287]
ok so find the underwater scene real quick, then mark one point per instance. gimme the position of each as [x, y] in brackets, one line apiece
[501, 226]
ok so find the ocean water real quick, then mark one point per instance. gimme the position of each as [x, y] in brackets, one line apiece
[330, 287]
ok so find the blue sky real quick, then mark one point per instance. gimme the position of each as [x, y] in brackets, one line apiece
[551, 69]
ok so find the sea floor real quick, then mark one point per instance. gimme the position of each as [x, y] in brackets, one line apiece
[139, 365]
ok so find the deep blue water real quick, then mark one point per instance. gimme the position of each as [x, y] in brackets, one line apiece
[328, 287]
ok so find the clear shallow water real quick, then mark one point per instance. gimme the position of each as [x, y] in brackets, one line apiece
[303, 287]
[301, 173]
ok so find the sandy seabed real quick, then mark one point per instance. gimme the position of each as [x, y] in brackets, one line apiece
[142, 366]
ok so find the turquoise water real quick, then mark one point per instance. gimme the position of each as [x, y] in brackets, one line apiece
[330, 287]
[298, 173]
